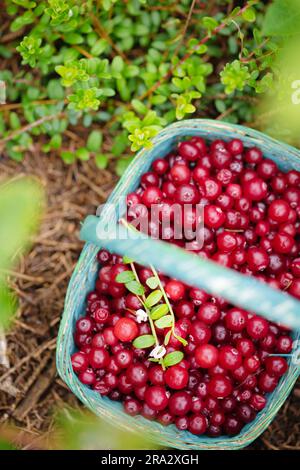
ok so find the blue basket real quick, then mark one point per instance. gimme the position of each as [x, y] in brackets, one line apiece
[238, 289]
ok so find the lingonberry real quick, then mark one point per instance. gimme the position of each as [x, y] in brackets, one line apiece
[253, 155]
[189, 150]
[276, 365]
[266, 382]
[175, 290]
[182, 423]
[132, 406]
[137, 374]
[176, 377]
[214, 217]
[267, 168]
[79, 361]
[245, 413]
[252, 363]
[229, 357]
[197, 424]
[220, 386]
[200, 333]
[206, 356]
[148, 412]
[255, 189]
[156, 397]
[257, 259]
[126, 329]
[209, 313]
[187, 194]
[160, 166]
[156, 375]
[220, 334]
[149, 179]
[152, 195]
[236, 319]
[98, 358]
[235, 146]
[84, 325]
[180, 174]
[232, 425]
[184, 309]
[257, 327]
[165, 418]
[180, 403]
[124, 358]
[87, 377]
[257, 401]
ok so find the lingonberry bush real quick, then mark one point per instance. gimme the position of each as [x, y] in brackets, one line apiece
[117, 72]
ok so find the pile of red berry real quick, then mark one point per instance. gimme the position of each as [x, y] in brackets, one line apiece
[251, 218]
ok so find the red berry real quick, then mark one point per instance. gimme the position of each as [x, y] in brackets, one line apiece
[279, 210]
[79, 361]
[180, 403]
[126, 329]
[156, 397]
[197, 424]
[255, 189]
[276, 366]
[209, 313]
[229, 357]
[175, 290]
[176, 377]
[98, 358]
[257, 327]
[220, 386]
[189, 150]
[206, 356]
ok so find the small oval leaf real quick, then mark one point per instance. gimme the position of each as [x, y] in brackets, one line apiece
[127, 260]
[125, 276]
[153, 298]
[135, 287]
[173, 358]
[144, 341]
[164, 322]
[152, 282]
[167, 338]
[159, 311]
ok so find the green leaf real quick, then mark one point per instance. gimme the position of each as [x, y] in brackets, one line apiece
[282, 18]
[83, 154]
[68, 157]
[101, 161]
[73, 38]
[127, 260]
[135, 287]
[167, 337]
[153, 298]
[94, 141]
[125, 276]
[152, 282]
[173, 358]
[164, 322]
[139, 106]
[159, 311]
[249, 15]
[144, 341]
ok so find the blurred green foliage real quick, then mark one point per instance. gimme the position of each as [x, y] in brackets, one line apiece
[123, 70]
[21, 204]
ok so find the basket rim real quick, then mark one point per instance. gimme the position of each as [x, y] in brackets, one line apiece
[82, 269]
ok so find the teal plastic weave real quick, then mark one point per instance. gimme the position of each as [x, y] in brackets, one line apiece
[238, 289]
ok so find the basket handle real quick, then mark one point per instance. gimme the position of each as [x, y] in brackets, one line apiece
[236, 288]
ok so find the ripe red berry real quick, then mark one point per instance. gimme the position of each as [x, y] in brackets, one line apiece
[176, 377]
[156, 397]
[175, 290]
[229, 357]
[206, 356]
[126, 329]
[180, 403]
[257, 327]
[79, 361]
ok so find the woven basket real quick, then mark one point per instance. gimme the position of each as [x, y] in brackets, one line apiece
[236, 288]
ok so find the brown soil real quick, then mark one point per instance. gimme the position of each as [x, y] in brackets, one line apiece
[30, 389]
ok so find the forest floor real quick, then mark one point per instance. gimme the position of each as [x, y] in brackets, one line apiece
[30, 390]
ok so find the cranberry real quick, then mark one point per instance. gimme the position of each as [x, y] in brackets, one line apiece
[126, 329]
[151, 195]
[84, 325]
[266, 382]
[175, 290]
[189, 150]
[276, 366]
[209, 313]
[87, 377]
[197, 424]
[160, 166]
[229, 357]
[98, 358]
[226, 241]
[220, 386]
[200, 333]
[257, 259]
[176, 377]
[187, 194]
[182, 423]
[79, 361]
[214, 217]
[137, 374]
[258, 402]
[257, 327]
[124, 358]
[235, 146]
[236, 319]
[156, 375]
[255, 189]
[132, 406]
[180, 403]
[156, 397]
[267, 168]
[180, 174]
[206, 356]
